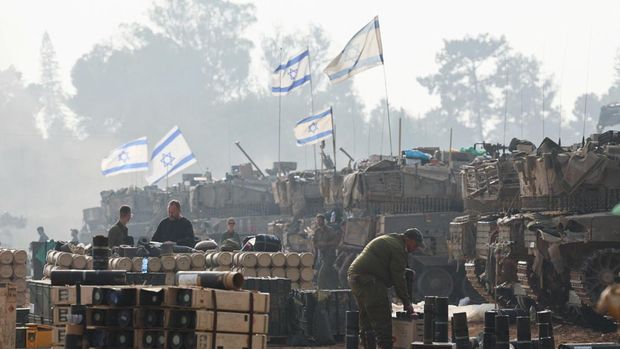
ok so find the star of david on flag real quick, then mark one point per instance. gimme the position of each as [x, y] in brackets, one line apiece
[129, 157]
[170, 156]
[362, 52]
[314, 128]
[292, 74]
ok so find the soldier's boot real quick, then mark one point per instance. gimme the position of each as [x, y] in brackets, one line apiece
[369, 340]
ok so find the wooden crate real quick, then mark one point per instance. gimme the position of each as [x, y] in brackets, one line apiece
[8, 315]
[226, 321]
[230, 341]
[58, 335]
[407, 331]
[238, 301]
[61, 314]
[63, 295]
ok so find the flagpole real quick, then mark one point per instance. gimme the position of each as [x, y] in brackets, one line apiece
[280, 120]
[331, 112]
[167, 173]
[387, 107]
[311, 101]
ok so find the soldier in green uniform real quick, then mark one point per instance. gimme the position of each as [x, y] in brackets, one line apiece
[325, 241]
[381, 265]
[231, 234]
[118, 234]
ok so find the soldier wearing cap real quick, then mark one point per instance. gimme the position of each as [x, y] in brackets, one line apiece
[380, 266]
[325, 241]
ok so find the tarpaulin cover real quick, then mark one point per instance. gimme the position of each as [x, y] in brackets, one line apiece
[473, 151]
[416, 154]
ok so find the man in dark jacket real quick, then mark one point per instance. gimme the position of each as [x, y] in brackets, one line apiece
[119, 234]
[175, 227]
[380, 266]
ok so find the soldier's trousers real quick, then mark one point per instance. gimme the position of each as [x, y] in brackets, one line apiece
[327, 277]
[375, 309]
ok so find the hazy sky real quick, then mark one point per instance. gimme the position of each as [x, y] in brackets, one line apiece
[576, 40]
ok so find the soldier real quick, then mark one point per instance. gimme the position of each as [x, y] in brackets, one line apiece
[175, 227]
[230, 233]
[119, 234]
[325, 241]
[74, 236]
[381, 265]
[42, 236]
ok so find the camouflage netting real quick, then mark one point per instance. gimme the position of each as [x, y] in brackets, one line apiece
[330, 186]
[231, 198]
[298, 194]
[415, 188]
[586, 179]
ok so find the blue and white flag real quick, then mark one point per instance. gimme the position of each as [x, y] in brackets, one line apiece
[314, 128]
[362, 52]
[294, 73]
[129, 157]
[170, 156]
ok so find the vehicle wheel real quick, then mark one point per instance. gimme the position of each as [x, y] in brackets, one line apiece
[435, 282]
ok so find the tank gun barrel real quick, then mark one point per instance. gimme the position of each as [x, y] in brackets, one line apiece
[238, 144]
[347, 154]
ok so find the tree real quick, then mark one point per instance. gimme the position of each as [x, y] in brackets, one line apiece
[54, 112]
[591, 103]
[203, 25]
[164, 76]
[481, 82]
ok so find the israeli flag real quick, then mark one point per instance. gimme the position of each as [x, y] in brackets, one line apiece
[129, 157]
[314, 128]
[362, 52]
[170, 156]
[292, 74]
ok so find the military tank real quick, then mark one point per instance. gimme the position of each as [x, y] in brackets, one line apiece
[206, 202]
[553, 243]
[390, 194]
[148, 205]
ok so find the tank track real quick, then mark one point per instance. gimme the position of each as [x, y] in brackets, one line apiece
[577, 283]
[474, 281]
[526, 278]
[594, 272]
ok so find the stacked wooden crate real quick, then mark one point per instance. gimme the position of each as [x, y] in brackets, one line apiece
[13, 269]
[60, 299]
[174, 317]
[294, 266]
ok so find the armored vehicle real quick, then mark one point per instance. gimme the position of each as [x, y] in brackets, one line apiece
[387, 195]
[556, 245]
